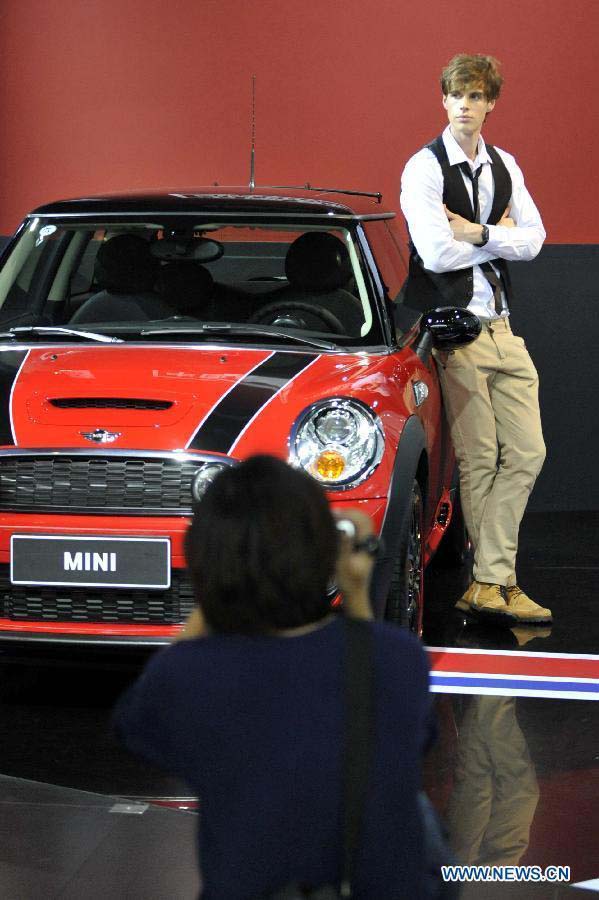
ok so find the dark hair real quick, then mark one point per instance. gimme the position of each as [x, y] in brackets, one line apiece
[261, 548]
[466, 70]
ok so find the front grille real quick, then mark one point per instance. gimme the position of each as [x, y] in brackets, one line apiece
[108, 403]
[110, 485]
[33, 603]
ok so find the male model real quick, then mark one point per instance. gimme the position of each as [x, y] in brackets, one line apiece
[468, 211]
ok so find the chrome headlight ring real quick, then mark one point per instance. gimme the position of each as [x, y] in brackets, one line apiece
[204, 477]
[339, 441]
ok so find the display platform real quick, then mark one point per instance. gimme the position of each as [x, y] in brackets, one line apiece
[514, 772]
[558, 566]
[68, 844]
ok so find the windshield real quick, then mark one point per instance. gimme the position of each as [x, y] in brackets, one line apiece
[160, 281]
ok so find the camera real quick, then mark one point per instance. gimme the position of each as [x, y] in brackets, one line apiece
[369, 544]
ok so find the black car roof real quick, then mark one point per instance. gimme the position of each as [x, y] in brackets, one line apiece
[270, 201]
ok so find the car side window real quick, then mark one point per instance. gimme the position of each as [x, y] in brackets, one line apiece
[392, 265]
[388, 254]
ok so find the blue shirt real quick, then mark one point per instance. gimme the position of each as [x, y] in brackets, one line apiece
[255, 725]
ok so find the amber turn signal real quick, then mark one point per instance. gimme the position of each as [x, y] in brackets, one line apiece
[330, 464]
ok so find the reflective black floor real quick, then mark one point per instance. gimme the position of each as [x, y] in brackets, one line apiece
[558, 566]
[515, 771]
[74, 845]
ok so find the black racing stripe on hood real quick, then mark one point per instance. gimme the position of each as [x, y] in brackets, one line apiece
[224, 424]
[10, 363]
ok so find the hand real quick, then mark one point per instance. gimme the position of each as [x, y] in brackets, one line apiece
[506, 219]
[195, 626]
[462, 229]
[354, 568]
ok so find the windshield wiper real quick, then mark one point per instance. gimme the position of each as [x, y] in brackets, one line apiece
[225, 328]
[54, 330]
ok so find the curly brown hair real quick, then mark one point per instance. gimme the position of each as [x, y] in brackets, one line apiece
[469, 70]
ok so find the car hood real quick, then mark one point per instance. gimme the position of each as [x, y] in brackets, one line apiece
[224, 400]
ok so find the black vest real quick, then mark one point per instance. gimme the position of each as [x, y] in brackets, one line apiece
[425, 289]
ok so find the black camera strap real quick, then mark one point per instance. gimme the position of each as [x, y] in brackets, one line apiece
[359, 737]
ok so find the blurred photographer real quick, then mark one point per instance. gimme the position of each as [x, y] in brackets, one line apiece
[249, 707]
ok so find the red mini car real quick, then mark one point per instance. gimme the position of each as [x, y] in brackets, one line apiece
[149, 340]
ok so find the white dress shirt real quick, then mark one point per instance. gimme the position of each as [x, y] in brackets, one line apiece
[422, 205]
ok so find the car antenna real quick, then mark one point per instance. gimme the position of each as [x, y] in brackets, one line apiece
[253, 150]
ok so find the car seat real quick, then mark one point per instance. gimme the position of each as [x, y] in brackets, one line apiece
[188, 288]
[126, 270]
[318, 269]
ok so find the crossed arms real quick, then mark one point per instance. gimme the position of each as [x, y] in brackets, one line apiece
[446, 241]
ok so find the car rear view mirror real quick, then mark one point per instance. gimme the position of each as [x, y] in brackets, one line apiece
[201, 250]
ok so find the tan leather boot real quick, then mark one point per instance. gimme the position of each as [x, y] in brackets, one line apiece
[527, 612]
[487, 602]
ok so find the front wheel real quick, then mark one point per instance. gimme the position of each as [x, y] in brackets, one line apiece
[406, 592]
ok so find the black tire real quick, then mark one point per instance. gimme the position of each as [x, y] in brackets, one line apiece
[455, 548]
[406, 591]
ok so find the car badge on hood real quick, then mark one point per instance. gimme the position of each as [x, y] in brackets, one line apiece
[100, 436]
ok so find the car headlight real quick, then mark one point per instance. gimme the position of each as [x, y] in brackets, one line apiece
[203, 478]
[338, 441]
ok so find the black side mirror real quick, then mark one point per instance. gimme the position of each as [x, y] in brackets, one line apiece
[446, 328]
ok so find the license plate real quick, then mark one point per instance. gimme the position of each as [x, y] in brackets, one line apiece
[90, 561]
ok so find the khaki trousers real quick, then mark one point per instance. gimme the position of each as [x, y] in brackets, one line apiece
[490, 390]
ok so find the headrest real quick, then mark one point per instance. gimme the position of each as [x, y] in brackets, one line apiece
[318, 261]
[186, 286]
[124, 265]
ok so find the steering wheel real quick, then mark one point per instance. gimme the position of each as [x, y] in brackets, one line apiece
[267, 314]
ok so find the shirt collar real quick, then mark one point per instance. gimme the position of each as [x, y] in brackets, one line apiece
[456, 155]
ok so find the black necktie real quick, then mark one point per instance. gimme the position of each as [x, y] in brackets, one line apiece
[473, 176]
[486, 268]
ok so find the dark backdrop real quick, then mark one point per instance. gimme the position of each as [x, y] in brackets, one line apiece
[555, 311]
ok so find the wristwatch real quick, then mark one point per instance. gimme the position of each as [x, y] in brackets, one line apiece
[484, 237]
